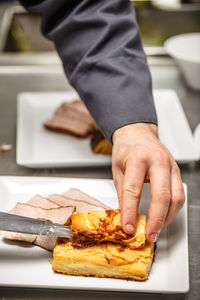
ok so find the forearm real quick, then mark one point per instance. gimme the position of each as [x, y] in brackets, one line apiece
[99, 44]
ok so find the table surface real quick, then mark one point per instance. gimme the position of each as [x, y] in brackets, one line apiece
[15, 79]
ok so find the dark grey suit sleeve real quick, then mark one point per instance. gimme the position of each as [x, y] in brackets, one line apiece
[99, 44]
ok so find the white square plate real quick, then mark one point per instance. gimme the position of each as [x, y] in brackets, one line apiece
[23, 265]
[38, 147]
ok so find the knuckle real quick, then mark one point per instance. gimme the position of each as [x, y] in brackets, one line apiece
[118, 155]
[132, 190]
[158, 223]
[163, 158]
[141, 155]
[163, 195]
[179, 201]
[176, 170]
[116, 163]
[131, 212]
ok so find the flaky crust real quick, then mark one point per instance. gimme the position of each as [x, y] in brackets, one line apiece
[104, 260]
[105, 226]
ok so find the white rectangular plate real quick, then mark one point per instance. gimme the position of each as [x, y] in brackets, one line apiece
[38, 147]
[24, 265]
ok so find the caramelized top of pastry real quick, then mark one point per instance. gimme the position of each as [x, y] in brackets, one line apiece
[96, 227]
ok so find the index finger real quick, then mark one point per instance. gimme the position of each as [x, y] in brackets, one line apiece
[134, 176]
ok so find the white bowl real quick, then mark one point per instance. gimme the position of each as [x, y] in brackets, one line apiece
[185, 49]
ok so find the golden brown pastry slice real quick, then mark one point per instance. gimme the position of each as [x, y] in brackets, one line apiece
[99, 144]
[103, 260]
[105, 226]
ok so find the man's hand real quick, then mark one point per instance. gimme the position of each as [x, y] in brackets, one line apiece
[138, 156]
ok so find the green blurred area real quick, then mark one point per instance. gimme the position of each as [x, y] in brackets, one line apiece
[157, 24]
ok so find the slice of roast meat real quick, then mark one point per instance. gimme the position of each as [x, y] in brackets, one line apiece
[72, 118]
[16, 236]
[42, 202]
[55, 215]
[71, 109]
[81, 205]
[46, 242]
[79, 195]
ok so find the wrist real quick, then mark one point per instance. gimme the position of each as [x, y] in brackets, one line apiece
[135, 128]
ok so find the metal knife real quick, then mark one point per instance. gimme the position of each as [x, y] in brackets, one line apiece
[15, 223]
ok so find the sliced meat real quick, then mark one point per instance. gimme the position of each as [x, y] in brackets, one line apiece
[72, 118]
[46, 242]
[58, 215]
[42, 202]
[81, 205]
[55, 215]
[79, 195]
[73, 109]
[70, 126]
[75, 106]
[15, 236]
[80, 106]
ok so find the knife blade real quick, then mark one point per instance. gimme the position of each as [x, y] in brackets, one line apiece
[15, 223]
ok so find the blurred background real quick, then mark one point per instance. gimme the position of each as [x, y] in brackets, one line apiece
[157, 19]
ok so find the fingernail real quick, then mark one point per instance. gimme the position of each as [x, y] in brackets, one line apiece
[129, 228]
[154, 236]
